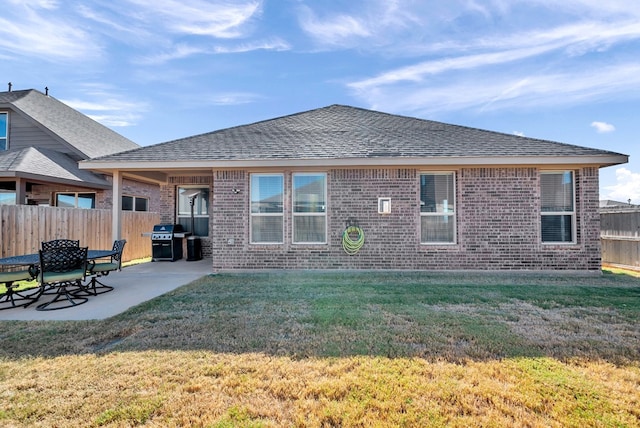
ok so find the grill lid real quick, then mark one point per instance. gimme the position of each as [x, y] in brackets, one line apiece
[168, 228]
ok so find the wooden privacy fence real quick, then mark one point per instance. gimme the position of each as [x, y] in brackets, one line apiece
[620, 235]
[24, 227]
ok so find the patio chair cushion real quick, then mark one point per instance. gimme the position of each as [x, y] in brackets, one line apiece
[20, 275]
[49, 277]
[105, 267]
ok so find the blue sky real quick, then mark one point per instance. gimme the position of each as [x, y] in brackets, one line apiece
[159, 70]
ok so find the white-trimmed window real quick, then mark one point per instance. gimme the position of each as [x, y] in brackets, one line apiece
[76, 200]
[309, 208]
[557, 216]
[135, 203]
[437, 208]
[4, 131]
[199, 197]
[267, 208]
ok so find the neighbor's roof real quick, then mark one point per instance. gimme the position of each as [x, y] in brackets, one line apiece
[35, 163]
[345, 136]
[69, 125]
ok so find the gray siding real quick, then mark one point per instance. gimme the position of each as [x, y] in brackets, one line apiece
[25, 133]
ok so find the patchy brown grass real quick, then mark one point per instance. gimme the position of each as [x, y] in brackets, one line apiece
[339, 349]
[199, 388]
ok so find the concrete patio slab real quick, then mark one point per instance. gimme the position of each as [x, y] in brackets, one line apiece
[133, 285]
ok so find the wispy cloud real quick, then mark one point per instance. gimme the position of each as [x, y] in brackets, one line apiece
[603, 127]
[506, 49]
[274, 44]
[43, 4]
[337, 29]
[107, 106]
[369, 25]
[233, 98]
[177, 52]
[219, 19]
[34, 29]
[417, 72]
[182, 51]
[535, 67]
[110, 24]
[221, 98]
[488, 91]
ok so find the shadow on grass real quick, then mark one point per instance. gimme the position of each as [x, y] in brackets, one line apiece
[301, 314]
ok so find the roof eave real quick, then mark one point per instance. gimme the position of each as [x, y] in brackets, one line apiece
[45, 179]
[595, 160]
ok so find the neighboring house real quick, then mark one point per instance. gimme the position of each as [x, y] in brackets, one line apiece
[427, 195]
[609, 204]
[41, 142]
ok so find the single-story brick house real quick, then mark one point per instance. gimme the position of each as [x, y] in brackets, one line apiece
[426, 195]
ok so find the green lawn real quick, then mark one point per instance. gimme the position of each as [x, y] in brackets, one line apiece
[329, 348]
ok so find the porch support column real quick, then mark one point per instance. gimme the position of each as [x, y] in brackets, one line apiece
[116, 224]
[21, 191]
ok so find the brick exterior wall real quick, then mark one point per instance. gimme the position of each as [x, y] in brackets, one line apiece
[45, 193]
[497, 214]
[133, 188]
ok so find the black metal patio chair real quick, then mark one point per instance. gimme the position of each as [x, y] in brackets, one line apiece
[62, 269]
[99, 269]
[13, 298]
[60, 243]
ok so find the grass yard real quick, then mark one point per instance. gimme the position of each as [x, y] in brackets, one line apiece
[339, 349]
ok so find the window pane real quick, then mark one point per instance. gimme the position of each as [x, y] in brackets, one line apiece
[557, 191]
[201, 206]
[308, 193]
[437, 229]
[557, 228]
[266, 229]
[3, 131]
[3, 125]
[436, 193]
[142, 204]
[200, 196]
[86, 200]
[66, 200]
[127, 203]
[184, 208]
[200, 225]
[309, 229]
[7, 197]
[267, 193]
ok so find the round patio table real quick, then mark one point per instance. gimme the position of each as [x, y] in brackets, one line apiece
[34, 259]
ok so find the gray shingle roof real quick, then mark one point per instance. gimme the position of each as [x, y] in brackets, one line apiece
[47, 165]
[85, 134]
[344, 132]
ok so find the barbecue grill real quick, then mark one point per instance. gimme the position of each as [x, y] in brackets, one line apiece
[166, 242]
